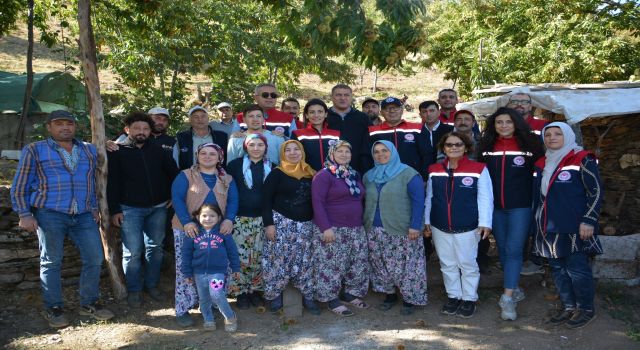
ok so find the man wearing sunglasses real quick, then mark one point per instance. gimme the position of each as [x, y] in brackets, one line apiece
[521, 102]
[280, 123]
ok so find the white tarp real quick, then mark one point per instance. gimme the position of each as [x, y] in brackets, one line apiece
[576, 105]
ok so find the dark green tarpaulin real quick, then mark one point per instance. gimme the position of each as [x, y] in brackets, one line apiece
[51, 91]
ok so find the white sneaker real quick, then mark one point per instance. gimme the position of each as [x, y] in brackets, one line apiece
[518, 295]
[508, 308]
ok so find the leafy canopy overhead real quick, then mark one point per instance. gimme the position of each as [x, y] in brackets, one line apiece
[534, 41]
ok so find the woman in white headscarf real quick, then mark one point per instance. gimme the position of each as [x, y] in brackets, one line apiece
[567, 208]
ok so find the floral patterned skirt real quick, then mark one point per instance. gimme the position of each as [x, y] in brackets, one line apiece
[288, 258]
[397, 261]
[186, 294]
[248, 233]
[343, 262]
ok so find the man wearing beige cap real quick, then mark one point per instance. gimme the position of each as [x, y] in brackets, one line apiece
[227, 120]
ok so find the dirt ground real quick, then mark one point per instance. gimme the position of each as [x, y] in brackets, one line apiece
[153, 326]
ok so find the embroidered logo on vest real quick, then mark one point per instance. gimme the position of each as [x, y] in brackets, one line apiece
[564, 176]
[409, 137]
[467, 181]
[332, 142]
[280, 129]
[519, 161]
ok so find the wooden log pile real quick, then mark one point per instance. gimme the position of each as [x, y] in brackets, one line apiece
[616, 141]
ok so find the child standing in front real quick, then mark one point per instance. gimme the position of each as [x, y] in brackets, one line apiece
[206, 259]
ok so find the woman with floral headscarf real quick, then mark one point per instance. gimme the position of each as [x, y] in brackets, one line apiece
[249, 173]
[287, 213]
[340, 254]
[393, 217]
[206, 182]
[567, 199]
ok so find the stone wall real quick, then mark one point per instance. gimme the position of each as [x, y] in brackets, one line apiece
[19, 254]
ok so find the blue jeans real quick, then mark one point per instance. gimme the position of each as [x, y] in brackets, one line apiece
[217, 294]
[53, 226]
[511, 230]
[142, 232]
[574, 281]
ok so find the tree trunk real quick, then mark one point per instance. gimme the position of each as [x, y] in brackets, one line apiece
[24, 116]
[172, 95]
[374, 88]
[89, 60]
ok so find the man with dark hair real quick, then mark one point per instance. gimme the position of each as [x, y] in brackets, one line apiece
[406, 136]
[447, 99]
[432, 129]
[138, 193]
[200, 133]
[254, 119]
[54, 193]
[160, 117]
[352, 124]
[371, 107]
[521, 102]
[292, 106]
[265, 96]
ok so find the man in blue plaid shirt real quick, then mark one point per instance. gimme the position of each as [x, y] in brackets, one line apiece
[54, 194]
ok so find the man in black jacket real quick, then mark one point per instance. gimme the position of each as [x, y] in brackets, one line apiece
[138, 193]
[352, 124]
[432, 129]
[199, 133]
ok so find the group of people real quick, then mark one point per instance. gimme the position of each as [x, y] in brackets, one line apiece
[335, 204]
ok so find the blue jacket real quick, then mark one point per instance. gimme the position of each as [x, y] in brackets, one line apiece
[210, 252]
[409, 141]
[459, 200]
[316, 144]
[574, 195]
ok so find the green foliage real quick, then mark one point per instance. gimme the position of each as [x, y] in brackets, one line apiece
[533, 41]
[9, 13]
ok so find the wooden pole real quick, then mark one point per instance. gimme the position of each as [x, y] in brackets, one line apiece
[89, 60]
[24, 116]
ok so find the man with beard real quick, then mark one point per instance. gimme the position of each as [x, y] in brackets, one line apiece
[371, 107]
[138, 193]
[54, 193]
[521, 102]
[160, 117]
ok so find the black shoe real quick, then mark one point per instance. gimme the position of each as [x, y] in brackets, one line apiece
[96, 311]
[156, 294]
[276, 304]
[56, 318]
[311, 306]
[561, 317]
[242, 302]
[581, 318]
[451, 307]
[256, 300]
[389, 301]
[134, 299]
[407, 309]
[467, 309]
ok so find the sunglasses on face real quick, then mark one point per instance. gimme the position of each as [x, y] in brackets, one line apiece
[269, 95]
[451, 145]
